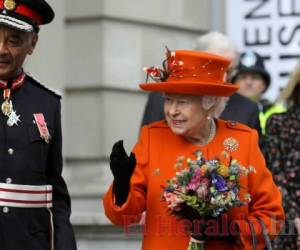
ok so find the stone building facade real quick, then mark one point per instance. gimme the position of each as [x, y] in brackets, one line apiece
[94, 54]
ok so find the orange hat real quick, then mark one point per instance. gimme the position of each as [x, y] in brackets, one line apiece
[190, 72]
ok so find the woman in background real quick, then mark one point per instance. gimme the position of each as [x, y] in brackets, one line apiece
[282, 153]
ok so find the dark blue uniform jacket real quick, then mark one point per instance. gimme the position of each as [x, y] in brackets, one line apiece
[25, 158]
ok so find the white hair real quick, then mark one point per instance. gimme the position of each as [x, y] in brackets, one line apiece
[214, 40]
[219, 44]
[214, 104]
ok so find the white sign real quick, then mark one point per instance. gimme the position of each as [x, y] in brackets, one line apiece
[272, 29]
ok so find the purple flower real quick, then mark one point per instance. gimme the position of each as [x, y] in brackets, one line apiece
[235, 190]
[220, 183]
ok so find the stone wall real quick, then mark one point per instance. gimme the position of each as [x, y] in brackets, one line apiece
[94, 53]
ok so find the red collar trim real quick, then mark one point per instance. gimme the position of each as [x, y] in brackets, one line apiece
[18, 82]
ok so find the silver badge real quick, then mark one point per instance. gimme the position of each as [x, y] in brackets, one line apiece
[249, 59]
[13, 119]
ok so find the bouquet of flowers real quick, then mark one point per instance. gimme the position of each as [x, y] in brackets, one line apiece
[205, 188]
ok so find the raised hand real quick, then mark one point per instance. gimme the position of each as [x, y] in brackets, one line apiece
[122, 167]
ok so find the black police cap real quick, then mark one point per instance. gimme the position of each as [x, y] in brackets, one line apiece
[252, 62]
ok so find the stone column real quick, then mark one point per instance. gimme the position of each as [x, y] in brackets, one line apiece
[108, 42]
[47, 63]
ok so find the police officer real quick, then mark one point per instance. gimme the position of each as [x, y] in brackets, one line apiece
[34, 200]
[254, 80]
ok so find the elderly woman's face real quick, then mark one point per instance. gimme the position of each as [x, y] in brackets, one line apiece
[184, 114]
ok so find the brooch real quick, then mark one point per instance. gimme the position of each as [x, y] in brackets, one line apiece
[231, 144]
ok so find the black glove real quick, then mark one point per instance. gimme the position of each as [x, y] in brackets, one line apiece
[122, 168]
[219, 228]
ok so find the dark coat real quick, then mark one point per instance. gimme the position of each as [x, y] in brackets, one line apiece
[243, 110]
[31, 161]
[238, 108]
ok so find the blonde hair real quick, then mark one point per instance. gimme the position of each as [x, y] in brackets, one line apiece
[294, 80]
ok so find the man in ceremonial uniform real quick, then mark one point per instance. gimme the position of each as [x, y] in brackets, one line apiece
[34, 200]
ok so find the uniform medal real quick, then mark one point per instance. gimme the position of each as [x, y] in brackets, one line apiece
[13, 119]
[7, 109]
[42, 126]
[6, 106]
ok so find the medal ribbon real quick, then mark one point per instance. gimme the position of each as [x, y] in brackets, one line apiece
[6, 94]
[6, 105]
[42, 127]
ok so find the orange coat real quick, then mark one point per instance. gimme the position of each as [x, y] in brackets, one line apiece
[156, 152]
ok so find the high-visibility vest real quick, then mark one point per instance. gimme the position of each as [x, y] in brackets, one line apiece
[264, 116]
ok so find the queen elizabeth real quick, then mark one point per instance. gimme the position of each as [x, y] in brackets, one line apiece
[194, 88]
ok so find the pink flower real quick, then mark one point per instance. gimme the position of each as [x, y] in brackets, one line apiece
[173, 201]
[195, 181]
[205, 181]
